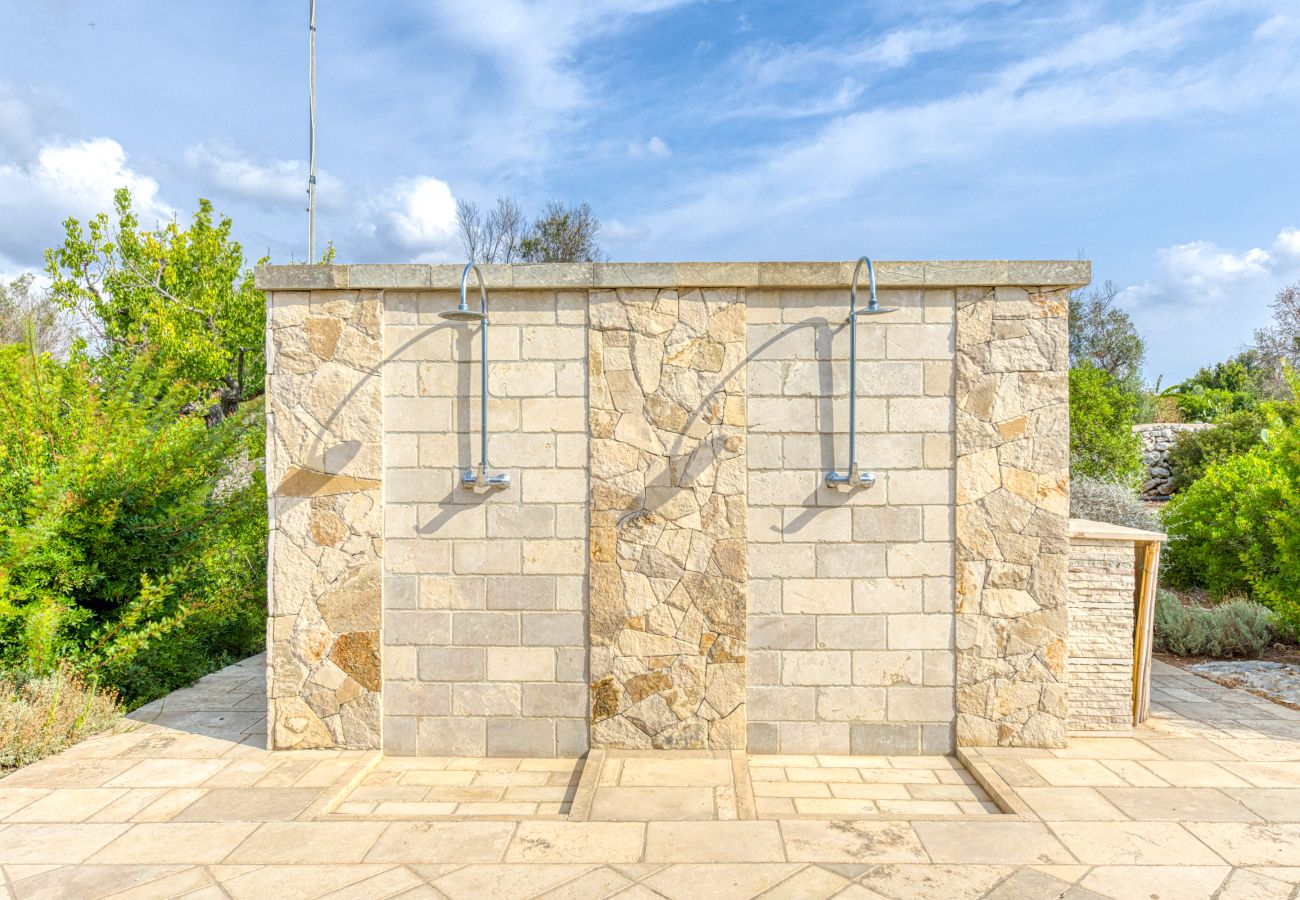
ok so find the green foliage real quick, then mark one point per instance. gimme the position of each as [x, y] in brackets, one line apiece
[111, 536]
[41, 715]
[1234, 628]
[29, 316]
[1104, 336]
[1110, 501]
[1234, 434]
[1227, 387]
[1102, 415]
[183, 296]
[563, 234]
[1236, 530]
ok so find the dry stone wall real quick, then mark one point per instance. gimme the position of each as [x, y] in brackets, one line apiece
[1012, 516]
[1157, 440]
[324, 434]
[668, 546]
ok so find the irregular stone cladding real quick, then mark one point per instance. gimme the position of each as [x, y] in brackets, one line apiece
[668, 547]
[1157, 440]
[323, 474]
[851, 594]
[1012, 516]
[1102, 586]
[485, 594]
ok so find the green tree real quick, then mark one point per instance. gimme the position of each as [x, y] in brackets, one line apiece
[563, 234]
[1104, 336]
[1102, 414]
[184, 296]
[1215, 391]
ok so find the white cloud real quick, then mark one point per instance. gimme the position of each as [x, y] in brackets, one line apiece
[414, 219]
[277, 182]
[68, 179]
[1200, 284]
[655, 147]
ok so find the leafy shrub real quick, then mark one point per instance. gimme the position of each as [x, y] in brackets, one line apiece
[111, 536]
[1234, 628]
[1102, 414]
[1110, 501]
[1236, 530]
[1227, 387]
[39, 716]
[1235, 433]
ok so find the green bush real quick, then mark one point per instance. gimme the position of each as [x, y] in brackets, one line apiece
[1102, 414]
[1233, 628]
[41, 715]
[1236, 530]
[114, 549]
[1234, 434]
[1224, 388]
[1110, 501]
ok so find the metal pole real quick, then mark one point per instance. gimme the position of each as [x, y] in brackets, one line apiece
[311, 138]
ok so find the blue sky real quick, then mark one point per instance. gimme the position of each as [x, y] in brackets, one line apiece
[1159, 140]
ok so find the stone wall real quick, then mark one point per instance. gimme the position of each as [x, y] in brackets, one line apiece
[1157, 440]
[851, 621]
[323, 451]
[667, 569]
[485, 594]
[668, 547]
[1012, 516]
[1102, 585]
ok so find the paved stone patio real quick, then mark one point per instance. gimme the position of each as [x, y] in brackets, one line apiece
[1203, 801]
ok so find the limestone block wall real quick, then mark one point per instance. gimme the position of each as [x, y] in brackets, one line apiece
[323, 451]
[1102, 586]
[485, 595]
[668, 548]
[850, 607]
[1012, 516]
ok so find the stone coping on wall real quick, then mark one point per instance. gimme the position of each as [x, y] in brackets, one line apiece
[559, 276]
[1089, 530]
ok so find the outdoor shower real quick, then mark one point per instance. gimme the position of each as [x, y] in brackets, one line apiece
[479, 480]
[854, 477]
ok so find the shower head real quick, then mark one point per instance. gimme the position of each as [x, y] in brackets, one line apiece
[873, 308]
[463, 314]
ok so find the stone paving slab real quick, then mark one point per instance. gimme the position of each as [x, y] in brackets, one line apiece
[1189, 806]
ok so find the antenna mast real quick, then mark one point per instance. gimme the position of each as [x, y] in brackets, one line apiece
[311, 138]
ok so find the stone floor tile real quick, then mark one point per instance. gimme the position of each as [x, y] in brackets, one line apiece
[14, 799]
[644, 772]
[1251, 844]
[819, 773]
[542, 794]
[170, 842]
[842, 808]
[1072, 804]
[645, 804]
[796, 789]
[377, 792]
[854, 762]
[438, 842]
[1266, 750]
[60, 772]
[505, 882]
[395, 881]
[945, 792]
[434, 777]
[687, 842]
[913, 882]
[492, 808]
[67, 805]
[167, 773]
[1245, 884]
[510, 779]
[296, 881]
[850, 842]
[61, 843]
[485, 763]
[1270, 804]
[169, 803]
[90, 881]
[1165, 882]
[733, 881]
[760, 760]
[1266, 774]
[1075, 773]
[1134, 843]
[1193, 773]
[809, 883]
[248, 805]
[1178, 805]
[899, 776]
[991, 843]
[1187, 748]
[774, 807]
[593, 885]
[1134, 773]
[305, 842]
[1015, 772]
[909, 808]
[1106, 748]
[184, 881]
[589, 842]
